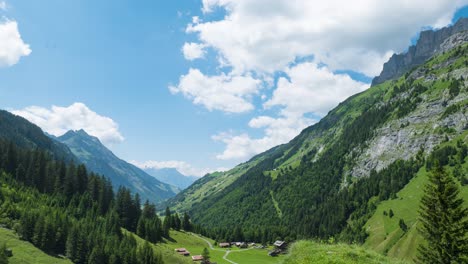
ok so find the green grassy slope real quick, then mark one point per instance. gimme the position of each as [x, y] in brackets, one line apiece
[24, 252]
[385, 234]
[305, 252]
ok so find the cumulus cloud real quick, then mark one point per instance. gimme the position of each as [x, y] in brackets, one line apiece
[193, 51]
[12, 46]
[264, 35]
[58, 120]
[308, 88]
[181, 166]
[264, 38]
[277, 131]
[229, 93]
[312, 89]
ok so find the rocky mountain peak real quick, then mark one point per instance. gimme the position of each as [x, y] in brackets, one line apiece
[430, 43]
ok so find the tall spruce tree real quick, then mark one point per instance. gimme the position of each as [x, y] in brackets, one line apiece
[206, 256]
[186, 224]
[444, 221]
[3, 255]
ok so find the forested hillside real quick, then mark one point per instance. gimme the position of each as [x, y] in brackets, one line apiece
[65, 210]
[27, 135]
[329, 180]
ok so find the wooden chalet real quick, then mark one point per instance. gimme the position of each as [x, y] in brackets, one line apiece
[280, 244]
[182, 251]
[197, 258]
[224, 245]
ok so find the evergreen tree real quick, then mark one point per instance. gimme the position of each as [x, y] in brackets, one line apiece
[97, 256]
[167, 224]
[146, 255]
[186, 224]
[206, 256]
[444, 221]
[176, 221]
[3, 255]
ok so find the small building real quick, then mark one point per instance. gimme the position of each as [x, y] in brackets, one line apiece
[224, 245]
[280, 244]
[197, 258]
[182, 251]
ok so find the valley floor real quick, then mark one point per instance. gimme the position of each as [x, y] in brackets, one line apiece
[195, 245]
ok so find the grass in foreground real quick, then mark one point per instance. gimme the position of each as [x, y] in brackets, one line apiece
[305, 252]
[25, 252]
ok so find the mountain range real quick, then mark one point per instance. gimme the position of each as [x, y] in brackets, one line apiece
[356, 175]
[171, 176]
[328, 180]
[92, 153]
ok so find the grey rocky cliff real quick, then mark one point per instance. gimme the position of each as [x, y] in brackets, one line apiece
[402, 138]
[430, 43]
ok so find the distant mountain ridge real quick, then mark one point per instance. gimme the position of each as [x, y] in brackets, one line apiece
[171, 176]
[91, 152]
[27, 135]
[428, 45]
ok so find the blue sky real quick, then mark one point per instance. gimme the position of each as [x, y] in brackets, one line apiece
[230, 97]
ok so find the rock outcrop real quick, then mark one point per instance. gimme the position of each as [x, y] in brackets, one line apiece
[430, 43]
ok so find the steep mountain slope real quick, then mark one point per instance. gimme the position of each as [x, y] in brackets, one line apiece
[171, 176]
[99, 159]
[366, 149]
[27, 135]
[385, 234]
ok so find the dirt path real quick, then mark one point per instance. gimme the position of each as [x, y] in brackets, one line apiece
[221, 250]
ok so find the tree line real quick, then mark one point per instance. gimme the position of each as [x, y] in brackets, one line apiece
[65, 210]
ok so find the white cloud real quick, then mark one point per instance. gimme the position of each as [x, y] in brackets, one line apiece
[12, 47]
[229, 93]
[181, 166]
[262, 38]
[58, 120]
[264, 35]
[3, 5]
[193, 51]
[312, 89]
[308, 89]
[277, 131]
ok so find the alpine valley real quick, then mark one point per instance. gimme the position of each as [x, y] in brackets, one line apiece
[356, 187]
[370, 154]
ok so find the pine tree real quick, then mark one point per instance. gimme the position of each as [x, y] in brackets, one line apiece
[186, 224]
[176, 221]
[97, 256]
[206, 256]
[167, 223]
[3, 255]
[146, 255]
[444, 221]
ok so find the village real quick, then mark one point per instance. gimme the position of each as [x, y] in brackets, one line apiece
[279, 247]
